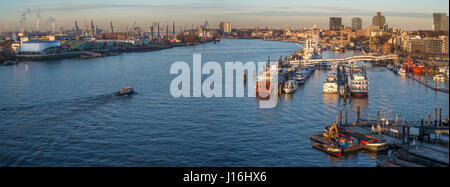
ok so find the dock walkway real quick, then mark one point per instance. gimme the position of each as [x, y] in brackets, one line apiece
[425, 83]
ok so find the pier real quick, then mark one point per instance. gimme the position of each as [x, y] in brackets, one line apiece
[427, 84]
[355, 58]
[410, 140]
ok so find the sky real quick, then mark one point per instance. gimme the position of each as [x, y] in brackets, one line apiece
[405, 14]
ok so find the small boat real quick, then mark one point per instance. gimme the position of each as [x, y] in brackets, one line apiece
[125, 91]
[8, 63]
[375, 146]
[299, 77]
[328, 148]
[290, 86]
[439, 77]
[305, 71]
[311, 66]
[402, 72]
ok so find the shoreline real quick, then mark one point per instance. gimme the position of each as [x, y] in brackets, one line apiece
[96, 53]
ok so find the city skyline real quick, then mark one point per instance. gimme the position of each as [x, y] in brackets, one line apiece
[296, 14]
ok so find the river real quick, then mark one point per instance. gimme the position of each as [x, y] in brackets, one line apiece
[63, 112]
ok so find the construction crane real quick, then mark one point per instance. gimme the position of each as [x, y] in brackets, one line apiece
[206, 25]
[167, 30]
[173, 30]
[151, 30]
[331, 134]
[159, 35]
[76, 28]
[92, 29]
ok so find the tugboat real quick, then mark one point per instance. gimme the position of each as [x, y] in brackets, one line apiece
[125, 91]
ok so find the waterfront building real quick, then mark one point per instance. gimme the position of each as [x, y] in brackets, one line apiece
[335, 23]
[38, 47]
[440, 22]
[378, 20]
[426, 45]
[225, 27]
[356, 23]
[444, 44]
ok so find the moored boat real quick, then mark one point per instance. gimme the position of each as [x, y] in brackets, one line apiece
[358, 84]
[370, 143]
[299, 77]
[439, 77]
[328, 148]
[402, 72]
[330, 84]
[290, 86]
[332, 143]
[8, 63]
[305, 71]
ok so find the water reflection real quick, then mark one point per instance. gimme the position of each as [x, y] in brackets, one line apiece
[288, 97]
[363, 104]
[330, 98]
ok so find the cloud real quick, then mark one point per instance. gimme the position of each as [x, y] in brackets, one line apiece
[178, 7]
[329, 11]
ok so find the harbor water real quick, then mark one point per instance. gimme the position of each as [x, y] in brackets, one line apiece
[64, 112]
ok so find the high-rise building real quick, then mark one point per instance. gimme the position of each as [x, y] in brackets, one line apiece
[335, 23]
[385, 28]
[440, 22]
[378, 20]
[356, 23]
[225, 27]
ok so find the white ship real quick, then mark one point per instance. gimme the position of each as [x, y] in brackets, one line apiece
[330, 84]
[312, 49]
[358, 83]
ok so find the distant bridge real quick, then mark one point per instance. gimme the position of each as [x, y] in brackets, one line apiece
[355, 58]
